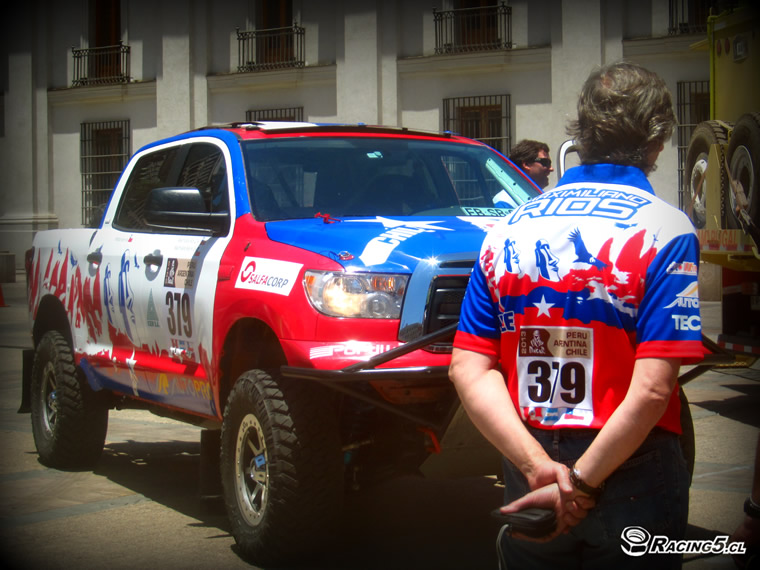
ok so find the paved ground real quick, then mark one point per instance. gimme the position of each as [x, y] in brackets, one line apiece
[141, 506]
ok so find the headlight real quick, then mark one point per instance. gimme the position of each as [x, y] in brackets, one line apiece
[362, 295]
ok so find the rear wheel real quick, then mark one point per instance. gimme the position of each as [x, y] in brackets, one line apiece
[743, 157]
[281, 468]
[704, 136]
[69, 420]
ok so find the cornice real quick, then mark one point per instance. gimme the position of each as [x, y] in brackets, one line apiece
[665, 46]
[301, 77]
[103, 93]
[512, 60]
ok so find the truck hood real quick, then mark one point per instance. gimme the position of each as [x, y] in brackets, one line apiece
[385, 244]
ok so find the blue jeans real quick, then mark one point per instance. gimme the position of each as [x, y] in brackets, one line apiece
[650, 490]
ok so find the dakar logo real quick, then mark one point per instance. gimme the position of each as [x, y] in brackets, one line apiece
[533, 342]
[171, 272]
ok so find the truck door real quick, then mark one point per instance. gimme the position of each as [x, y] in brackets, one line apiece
[159, 282]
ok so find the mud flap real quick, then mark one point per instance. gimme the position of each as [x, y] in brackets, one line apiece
[464, 452]
[27, 361]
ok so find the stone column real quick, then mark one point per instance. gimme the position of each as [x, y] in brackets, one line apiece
[26, 203]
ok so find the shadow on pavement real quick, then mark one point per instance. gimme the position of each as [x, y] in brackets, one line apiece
[403, 523]
[741, 408]
[166, 472]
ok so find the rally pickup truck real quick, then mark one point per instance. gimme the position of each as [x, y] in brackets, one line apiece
[290, 287]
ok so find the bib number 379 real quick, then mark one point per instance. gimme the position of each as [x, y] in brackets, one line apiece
[563, 381]
[555, 370]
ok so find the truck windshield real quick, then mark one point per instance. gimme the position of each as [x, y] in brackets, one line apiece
[356, 176]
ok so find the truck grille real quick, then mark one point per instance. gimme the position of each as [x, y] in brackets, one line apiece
[434, 299]
[446, 298]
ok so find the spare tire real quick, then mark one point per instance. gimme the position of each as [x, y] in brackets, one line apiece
[705, 135]
[743, 158]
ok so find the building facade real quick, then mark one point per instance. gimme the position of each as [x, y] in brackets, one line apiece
[85, 83]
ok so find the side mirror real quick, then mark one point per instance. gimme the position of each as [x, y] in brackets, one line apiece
[183, 209]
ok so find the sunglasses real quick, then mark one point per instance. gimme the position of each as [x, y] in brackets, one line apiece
[545, 162]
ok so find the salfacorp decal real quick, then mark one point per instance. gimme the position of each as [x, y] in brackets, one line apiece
[269, 275]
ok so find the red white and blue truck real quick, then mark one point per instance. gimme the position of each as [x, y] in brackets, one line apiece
[288, 286]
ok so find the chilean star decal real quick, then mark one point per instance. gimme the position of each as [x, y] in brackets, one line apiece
[379, 248]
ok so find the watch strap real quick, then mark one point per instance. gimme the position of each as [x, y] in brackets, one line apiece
[582, 486]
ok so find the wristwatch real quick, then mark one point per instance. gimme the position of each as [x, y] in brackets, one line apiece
[752, 508]
[582, 486]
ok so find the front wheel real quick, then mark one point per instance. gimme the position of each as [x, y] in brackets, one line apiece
[281, 468]
[69, 419]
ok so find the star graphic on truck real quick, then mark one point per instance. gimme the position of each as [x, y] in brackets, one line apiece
[379, 248]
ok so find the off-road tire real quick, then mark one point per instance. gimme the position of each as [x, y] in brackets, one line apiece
[705, 135]
[69, 420]
[743, 156]
[281, 469]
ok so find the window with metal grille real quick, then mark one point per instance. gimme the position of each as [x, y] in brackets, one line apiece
[105, 148]
[485, 118]
[692, 107]
[284, 114]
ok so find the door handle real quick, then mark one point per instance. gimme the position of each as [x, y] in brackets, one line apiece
[153, 259]
[95, 257]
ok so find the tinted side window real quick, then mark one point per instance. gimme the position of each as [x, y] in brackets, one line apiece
[205, 169]
[154, 170]
[199, 165]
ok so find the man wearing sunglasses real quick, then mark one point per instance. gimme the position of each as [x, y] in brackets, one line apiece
[533, 158]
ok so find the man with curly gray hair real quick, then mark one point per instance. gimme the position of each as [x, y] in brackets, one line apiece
[625, 115]
[568, 361]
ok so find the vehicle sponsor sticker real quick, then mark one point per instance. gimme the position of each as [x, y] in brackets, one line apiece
[350, 349]
[152, 317]
[180, 273]
[270, 275]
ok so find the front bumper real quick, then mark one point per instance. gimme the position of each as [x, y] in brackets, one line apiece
[341, 380]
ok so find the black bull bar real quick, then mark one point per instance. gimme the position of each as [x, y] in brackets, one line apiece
[364, 371]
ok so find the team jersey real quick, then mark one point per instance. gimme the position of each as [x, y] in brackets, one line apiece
[577, 284]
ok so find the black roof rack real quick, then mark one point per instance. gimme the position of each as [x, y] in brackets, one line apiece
[305, 127]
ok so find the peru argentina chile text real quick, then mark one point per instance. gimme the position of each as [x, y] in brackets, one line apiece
[600, 202]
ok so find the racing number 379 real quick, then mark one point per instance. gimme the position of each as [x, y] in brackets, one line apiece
[545, 375]
[179, 320]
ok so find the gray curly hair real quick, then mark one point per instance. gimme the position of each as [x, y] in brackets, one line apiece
[624, 113]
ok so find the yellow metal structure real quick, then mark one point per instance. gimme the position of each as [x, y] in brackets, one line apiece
[734, 43]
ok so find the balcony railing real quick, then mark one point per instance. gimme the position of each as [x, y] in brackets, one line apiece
[690, 16]
[462, 30]
[101, 65]
[274, 48]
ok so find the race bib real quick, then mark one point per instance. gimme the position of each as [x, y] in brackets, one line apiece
[555, 374]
